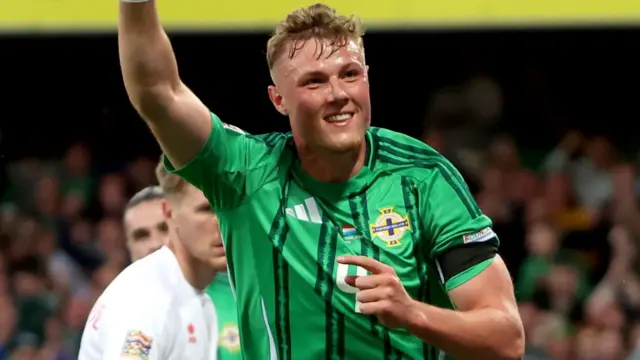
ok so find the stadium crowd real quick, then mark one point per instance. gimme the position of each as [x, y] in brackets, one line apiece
[568, 229]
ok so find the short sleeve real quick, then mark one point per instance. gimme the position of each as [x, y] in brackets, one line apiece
[136, 331]
[231, 165]
[455, 225]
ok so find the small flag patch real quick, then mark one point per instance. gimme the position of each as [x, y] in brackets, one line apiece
[349, 233]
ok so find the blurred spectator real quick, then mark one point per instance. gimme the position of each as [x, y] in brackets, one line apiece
[76, 174]
[61, 243]
[520, 184]
[577, 284]
[7, 323]
[141, 172]
[112, 195]
[588, 162]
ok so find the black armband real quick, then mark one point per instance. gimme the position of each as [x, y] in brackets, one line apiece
[459, 259]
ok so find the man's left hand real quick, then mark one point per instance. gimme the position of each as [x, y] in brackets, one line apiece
[381, 293]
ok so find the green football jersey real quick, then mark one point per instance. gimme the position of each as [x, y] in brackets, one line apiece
[225, 304]
[283, 230]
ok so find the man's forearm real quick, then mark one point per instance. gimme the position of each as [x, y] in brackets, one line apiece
[483, 334]
[146, 57]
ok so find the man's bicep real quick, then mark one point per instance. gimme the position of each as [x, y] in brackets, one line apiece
[224, 167]
[491, 287]
[180, 122]
[461, 240]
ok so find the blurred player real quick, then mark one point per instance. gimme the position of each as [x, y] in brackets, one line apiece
[145, 226]
[191, 209]
[157, 307]
[343, 241]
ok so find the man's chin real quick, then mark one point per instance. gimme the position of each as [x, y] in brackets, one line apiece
[344, 144]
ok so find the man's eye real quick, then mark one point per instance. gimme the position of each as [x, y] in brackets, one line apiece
[314, 81]
[351, 74]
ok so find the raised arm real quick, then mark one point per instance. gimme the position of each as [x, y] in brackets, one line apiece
[179, 120]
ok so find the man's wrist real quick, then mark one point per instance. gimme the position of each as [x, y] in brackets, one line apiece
[417, 317]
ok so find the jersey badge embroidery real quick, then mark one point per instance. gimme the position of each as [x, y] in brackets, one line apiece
[229, 338]
[137, 345]
[390, 227]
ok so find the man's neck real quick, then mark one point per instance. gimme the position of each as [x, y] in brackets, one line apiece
[198, 274]
[331, 166]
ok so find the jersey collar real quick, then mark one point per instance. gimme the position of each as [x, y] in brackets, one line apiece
[336, 190]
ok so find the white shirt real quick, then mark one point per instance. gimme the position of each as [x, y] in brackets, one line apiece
[150, 312]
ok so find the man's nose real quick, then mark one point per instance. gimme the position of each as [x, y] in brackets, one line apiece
[338, 92]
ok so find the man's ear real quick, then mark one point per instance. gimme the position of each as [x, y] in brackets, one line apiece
[277, 100]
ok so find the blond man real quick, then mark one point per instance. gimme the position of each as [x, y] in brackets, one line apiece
[344, 241]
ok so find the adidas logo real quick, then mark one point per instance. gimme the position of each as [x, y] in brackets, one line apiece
[308, 211]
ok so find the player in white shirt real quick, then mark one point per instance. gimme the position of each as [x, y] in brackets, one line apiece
[156, 308]
[145, 226]
[219, 290]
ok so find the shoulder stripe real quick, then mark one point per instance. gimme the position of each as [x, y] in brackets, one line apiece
[463, 192]
[269, 139]
[415, 152]
[375, 143]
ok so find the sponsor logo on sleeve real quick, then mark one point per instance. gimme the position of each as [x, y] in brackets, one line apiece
[482, 235]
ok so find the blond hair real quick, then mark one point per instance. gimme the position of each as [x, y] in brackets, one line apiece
[319, 22]
[171, 184]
